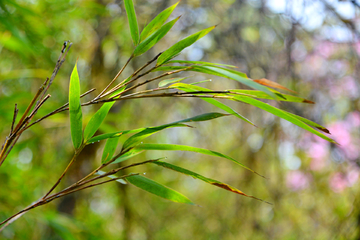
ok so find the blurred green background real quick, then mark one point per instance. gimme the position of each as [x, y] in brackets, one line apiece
[310, 46]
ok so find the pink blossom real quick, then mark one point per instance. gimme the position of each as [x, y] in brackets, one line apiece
[319, 153]
[340, 132]
[297, 180]
[354, 118]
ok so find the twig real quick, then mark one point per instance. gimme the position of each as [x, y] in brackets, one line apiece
[16, 110]
[77, 152]
[112, 81]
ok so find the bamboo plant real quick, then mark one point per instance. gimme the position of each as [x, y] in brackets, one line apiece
[128, 89]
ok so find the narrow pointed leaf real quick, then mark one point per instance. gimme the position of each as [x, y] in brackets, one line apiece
[135, 139]
[96, 120]
[75, 109]
[129, 154]
[179, 46]
[150, 41]
[111, 176]
[191, 88]
[174, 147]
[112, 135]
[234, 75]
[109, 149]
[202, 178]
[272, 84]
[158, 189]
[200, 63]
[134, 28]
[157, 22]
[282, 114]
[280, 96]
[163, 83]
[170, 68]
[310, 123]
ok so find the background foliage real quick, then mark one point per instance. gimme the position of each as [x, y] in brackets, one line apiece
[309, 46]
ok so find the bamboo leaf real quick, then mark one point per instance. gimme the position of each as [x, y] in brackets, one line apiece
[75, 109]
[134, 28]
[150, 41]
[270, 83]
[112, 135]
[96, 120]
[280, 96]
[163, 83]
[282, 114]
[109, 149]
[190, 88]
[202, 178]
[234, 75]
[135, 139]
[179, 46]
[310, 123]
[157, 22]
[158, 189]
[200, 63]
[122, 181]
[173, 147]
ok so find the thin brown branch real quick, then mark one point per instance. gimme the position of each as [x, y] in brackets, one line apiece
[112, 81]
[150, 80]
[60, 109]
[77, 152]
[16, 110]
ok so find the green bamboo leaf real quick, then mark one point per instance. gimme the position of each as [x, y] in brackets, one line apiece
[158, 189]
[179, 46]
[202, 178]
[109, 149]
[98, 138]
[150, 41]
[96, 120]
[134, 28]
[310, 123]
[135, 139]
[157, 22]
[163, 83]
[75, 109]
[129, 154]
[112, 177]
[282, 114]
[200, 63]
[279, 96]
[234, 75]
[169, 68]
[190, 88]
[173, 147]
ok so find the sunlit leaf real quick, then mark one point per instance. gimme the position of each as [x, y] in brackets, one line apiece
[112, 135]
[200, 63]
[309, 122]
[270, 83]
[158, 189]
[280, 96]
[134, 28]
[109, 149]
[163, 83]
[135, 139]
[173, 147]
[157, 22]
[75, 109]
[234, 75]
[202, 178]
[122, 181]
[96, 120]
[150, 41]
[282, 114]
[179, 46]
[191, 88]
